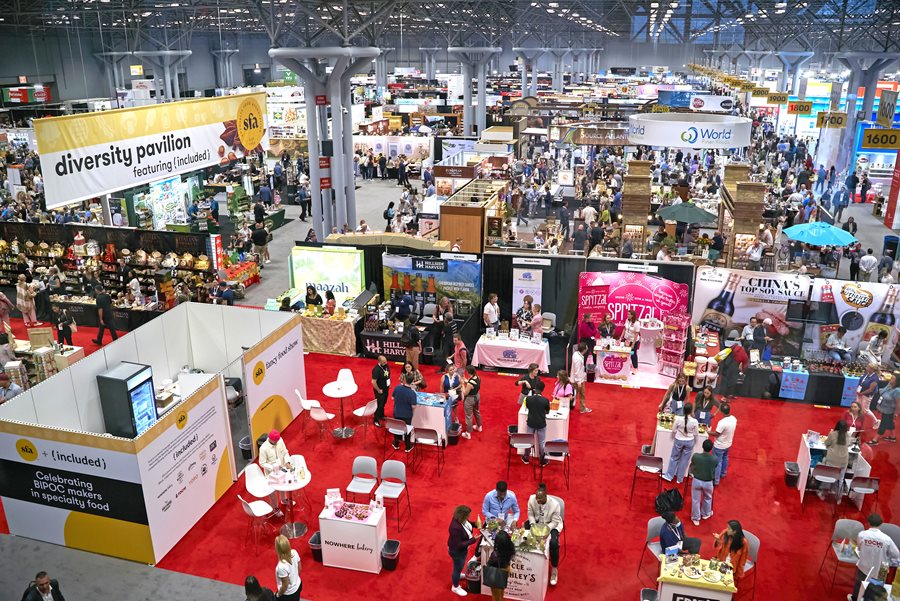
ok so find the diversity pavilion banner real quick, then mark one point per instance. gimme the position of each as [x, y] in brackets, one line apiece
[84, 156]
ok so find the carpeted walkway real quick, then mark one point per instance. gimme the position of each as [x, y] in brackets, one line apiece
[604, 535]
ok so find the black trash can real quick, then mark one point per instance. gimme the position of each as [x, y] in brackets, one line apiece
[891, 243]
[390, 554]
[315, 545]
[259, 441]
[453, 433]
[791, 474]
[512, 429]
[246, 449]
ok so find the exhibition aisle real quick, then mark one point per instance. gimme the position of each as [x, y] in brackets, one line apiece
[605, 445]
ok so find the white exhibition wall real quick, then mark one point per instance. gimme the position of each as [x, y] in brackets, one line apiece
[206, 337]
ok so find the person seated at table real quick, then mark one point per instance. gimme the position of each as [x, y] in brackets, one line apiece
[418, 380]
[607, 327]
[537, 321]
[837, 347]
[451, 385]
[874, 349]
[524, 314]
[837, 451]
[747, 331]
[544, 509]
[671, 534]
[705, 405]
[587, 332]
[501, 503]
[273, 453]
[675, 397]
[563, 391]
[732, 547]
[857, 420]
[528, 381]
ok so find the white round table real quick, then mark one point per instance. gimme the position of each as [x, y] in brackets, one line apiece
[292, 529]
[340, 389]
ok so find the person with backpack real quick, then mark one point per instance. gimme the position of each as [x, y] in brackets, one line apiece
[388, 216]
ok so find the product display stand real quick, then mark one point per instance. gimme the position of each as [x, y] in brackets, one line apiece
[675, 333]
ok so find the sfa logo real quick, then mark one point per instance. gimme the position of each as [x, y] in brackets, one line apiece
[510, 354]
[692, 134]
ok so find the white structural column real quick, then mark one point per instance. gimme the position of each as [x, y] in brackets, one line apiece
[558, 55]
[473, 61]
[792, 62]
[381, 72]
[336, 207]
[111, 62]
[577, 67]
[529, 56]
[168, 61]
[430, 55]
[224, 69]
[756, 58]
[865, 69]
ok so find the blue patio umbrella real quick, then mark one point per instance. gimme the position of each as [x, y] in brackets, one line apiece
[819, 233]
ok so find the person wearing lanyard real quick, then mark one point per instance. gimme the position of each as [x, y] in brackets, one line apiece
[381, 384]
[461, 538]
[587, 332]
[685, 432]
[492, 313]
[501, 503]
[527, 381]
[671, 534]
[631, 336]
[855, 418]
[868, 386]
[451, 385]
[705, 406]
[703, 470]
[675, 397]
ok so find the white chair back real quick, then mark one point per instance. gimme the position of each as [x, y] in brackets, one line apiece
[393, 470]
[318, 414]
[653, 526]
[256, 482]
[753, 541]
[304, 403]
[366, 466]
[247, 509]
[345, 375]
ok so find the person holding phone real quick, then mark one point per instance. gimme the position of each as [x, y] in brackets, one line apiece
[462, 536]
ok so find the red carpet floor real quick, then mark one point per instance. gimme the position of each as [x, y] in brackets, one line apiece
[604, 535]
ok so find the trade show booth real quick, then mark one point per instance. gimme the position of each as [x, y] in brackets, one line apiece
[172, 383]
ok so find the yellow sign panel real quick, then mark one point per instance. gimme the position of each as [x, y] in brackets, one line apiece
[747, 86]
[886, 139]
[777, 98]
[760, 92]
[829, 120]
[137, 69]
[799, 107]
[887, 107]
[660, 108]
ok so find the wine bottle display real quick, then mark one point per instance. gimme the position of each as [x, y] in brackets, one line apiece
[720, 310]
[828, 299]
[883, 320]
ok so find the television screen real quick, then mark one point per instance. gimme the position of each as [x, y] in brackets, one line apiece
[807, 312]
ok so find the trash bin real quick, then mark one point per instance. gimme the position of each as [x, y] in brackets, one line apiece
[259, 441]
[315, 545]
[791, 474]
[453, 433]
[473, 577]
[891, 243]
[246, 449]
[390, 554]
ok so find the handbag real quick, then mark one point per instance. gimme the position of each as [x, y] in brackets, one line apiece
[494, 577]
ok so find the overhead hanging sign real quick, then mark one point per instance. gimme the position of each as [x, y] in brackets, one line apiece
[885, 139]
[88, 155]
[699, 130]
[887, 107]
[799, 107]
[136, 69]
[760, 93]
[777, 98]
[721, 104]
[829, 120]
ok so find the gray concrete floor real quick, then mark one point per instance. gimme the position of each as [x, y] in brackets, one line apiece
[84, 575]
[871, 233]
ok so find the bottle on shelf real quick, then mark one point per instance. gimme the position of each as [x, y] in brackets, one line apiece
[883, 320]
[719, 311]
[431, 291]
[419, 296]
[395, 286]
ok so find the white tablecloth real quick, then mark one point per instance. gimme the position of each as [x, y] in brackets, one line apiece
[514, 354]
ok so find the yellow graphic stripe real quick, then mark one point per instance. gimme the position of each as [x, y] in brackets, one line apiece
[109, 536]
[59, 134]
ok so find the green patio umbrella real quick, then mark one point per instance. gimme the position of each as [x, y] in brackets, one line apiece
[686, 212]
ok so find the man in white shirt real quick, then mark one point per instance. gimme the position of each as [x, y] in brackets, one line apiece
[492, 313]
[578, 375]
[754, 255]
[589, 214]
[837, 347]
[723, 436]
[273, 453]
[867, 266]
[875, 547]
[747, 332]
[544, 509]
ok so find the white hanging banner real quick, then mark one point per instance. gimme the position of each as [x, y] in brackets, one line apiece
[698, 130]
[526, 282]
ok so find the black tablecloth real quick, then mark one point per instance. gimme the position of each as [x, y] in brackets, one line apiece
[124, 320]
[824, 389]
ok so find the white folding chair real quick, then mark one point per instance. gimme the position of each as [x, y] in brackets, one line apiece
[257, 512]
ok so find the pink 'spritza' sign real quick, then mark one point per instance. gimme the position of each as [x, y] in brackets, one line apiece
[617, 292]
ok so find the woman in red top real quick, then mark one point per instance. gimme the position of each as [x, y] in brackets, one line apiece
[856, 418]
[732, 547]
[587, 332]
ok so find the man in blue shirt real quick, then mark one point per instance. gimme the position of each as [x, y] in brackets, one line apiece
[501, 503]
[265, 195]
[404, 400]
[223, 295]
[404, 307]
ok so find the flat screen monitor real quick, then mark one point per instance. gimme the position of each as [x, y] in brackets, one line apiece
[807, 311]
